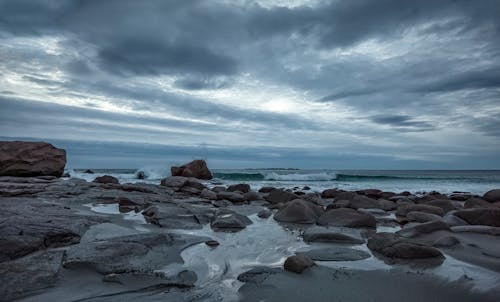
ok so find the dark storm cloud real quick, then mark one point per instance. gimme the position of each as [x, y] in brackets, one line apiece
[403, 123]
[475, 79]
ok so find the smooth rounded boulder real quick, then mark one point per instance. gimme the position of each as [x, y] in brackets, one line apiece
[347, 218]
[298, 263]
[106, 179]
[27, 159]
[299, 211]
[394, 246]
[485, 216]
[197, 169]
[492, 195]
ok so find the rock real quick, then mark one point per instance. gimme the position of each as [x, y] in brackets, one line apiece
[334, 235]
[447, 241]
[423, 228]
[444, 204]
[221, 203]
[492, 195]
[277, 196]
[485, 216]
[475, 202]
[106, 179]
[347, 218]
[252, 196]
[258, 274]
[25, 159]
[126, 205]
[196, 168]
[298, 263]
[212, 243]
[363, 202]
[345, 196]
[140, 175]
[299, 211]
[264, 214]
[174, 181]
[372, 193]
[192, 187]
[171, 216]
[306, 188]
[208, 194]
[452, 220]
[480, 229]
[27, 275]
[404, 209]
[394, 246]
[29, 226]
[233, 197]
[229, 221]
[88, 171]
[218, 189]
[132, 253]
[330, 193]
[243, 188]
[422, 217]
[337, 253]
[266, 189]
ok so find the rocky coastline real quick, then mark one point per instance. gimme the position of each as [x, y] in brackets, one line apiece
[73, 240]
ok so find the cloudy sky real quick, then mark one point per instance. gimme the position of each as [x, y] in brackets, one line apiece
[382, 84]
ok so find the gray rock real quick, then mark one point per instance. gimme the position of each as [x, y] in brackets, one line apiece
[132, 253]
[298, 263]
[174, 181]
[29, 274]
[480, 229]
[447, 241]
[394, 246]
[423, 228]
[233, 197]
[485, 216]
[280, 196]
[27, 159]
[299, 211]
[330, 193]
[336, 253]
[475, 202]
[334, 235]
[444, 204]
[243, 188]
[266, 189]
[218, 189]
[452, 220]
[252, 196]
[106, 179]
[492, 195]
[264, 214]
[208, 194]
[171, 216]
[404, 209]
[347, 218]
[228, 221]
[422, 217]
[258, 274]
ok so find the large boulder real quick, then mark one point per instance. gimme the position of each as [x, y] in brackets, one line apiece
[299, 211]
[394, 246]
[27, 159]
[492, 195]
[243, 188]
[485, 216]
[280, 196]
[334, 235]
[106, 179]
[229, 221]
[347, 218]
[197, 169]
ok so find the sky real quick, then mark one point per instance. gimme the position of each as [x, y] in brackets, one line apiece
[358, 84]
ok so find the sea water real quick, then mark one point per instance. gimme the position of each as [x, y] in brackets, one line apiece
[414, 181]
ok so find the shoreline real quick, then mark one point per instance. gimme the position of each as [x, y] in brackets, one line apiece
[250, 229]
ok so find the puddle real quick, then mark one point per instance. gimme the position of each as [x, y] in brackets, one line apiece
[113, 209]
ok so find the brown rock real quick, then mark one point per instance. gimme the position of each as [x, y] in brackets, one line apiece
[106, 179]
[196, 168]
[348, 218]
[299, 211]
[298, 263]
[492, 195]
[485, 216]
[394, 246]
[27, 159]
[277, 196]
[243, 188]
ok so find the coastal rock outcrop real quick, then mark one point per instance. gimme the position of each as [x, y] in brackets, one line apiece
[106, 179]
[197, 169]
[25, 159]
[484, 216]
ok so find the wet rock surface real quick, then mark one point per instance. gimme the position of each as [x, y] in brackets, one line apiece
[178, 241]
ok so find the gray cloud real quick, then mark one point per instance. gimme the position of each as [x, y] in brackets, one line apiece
[403, 122]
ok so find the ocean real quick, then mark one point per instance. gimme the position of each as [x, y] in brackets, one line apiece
[414, 181]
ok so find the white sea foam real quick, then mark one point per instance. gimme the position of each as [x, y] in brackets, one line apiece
[300, 177]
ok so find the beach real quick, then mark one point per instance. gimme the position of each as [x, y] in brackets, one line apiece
[188, 239]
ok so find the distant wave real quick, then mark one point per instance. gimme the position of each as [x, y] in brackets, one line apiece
[273, 176]
[239, 176]
[152, 172]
